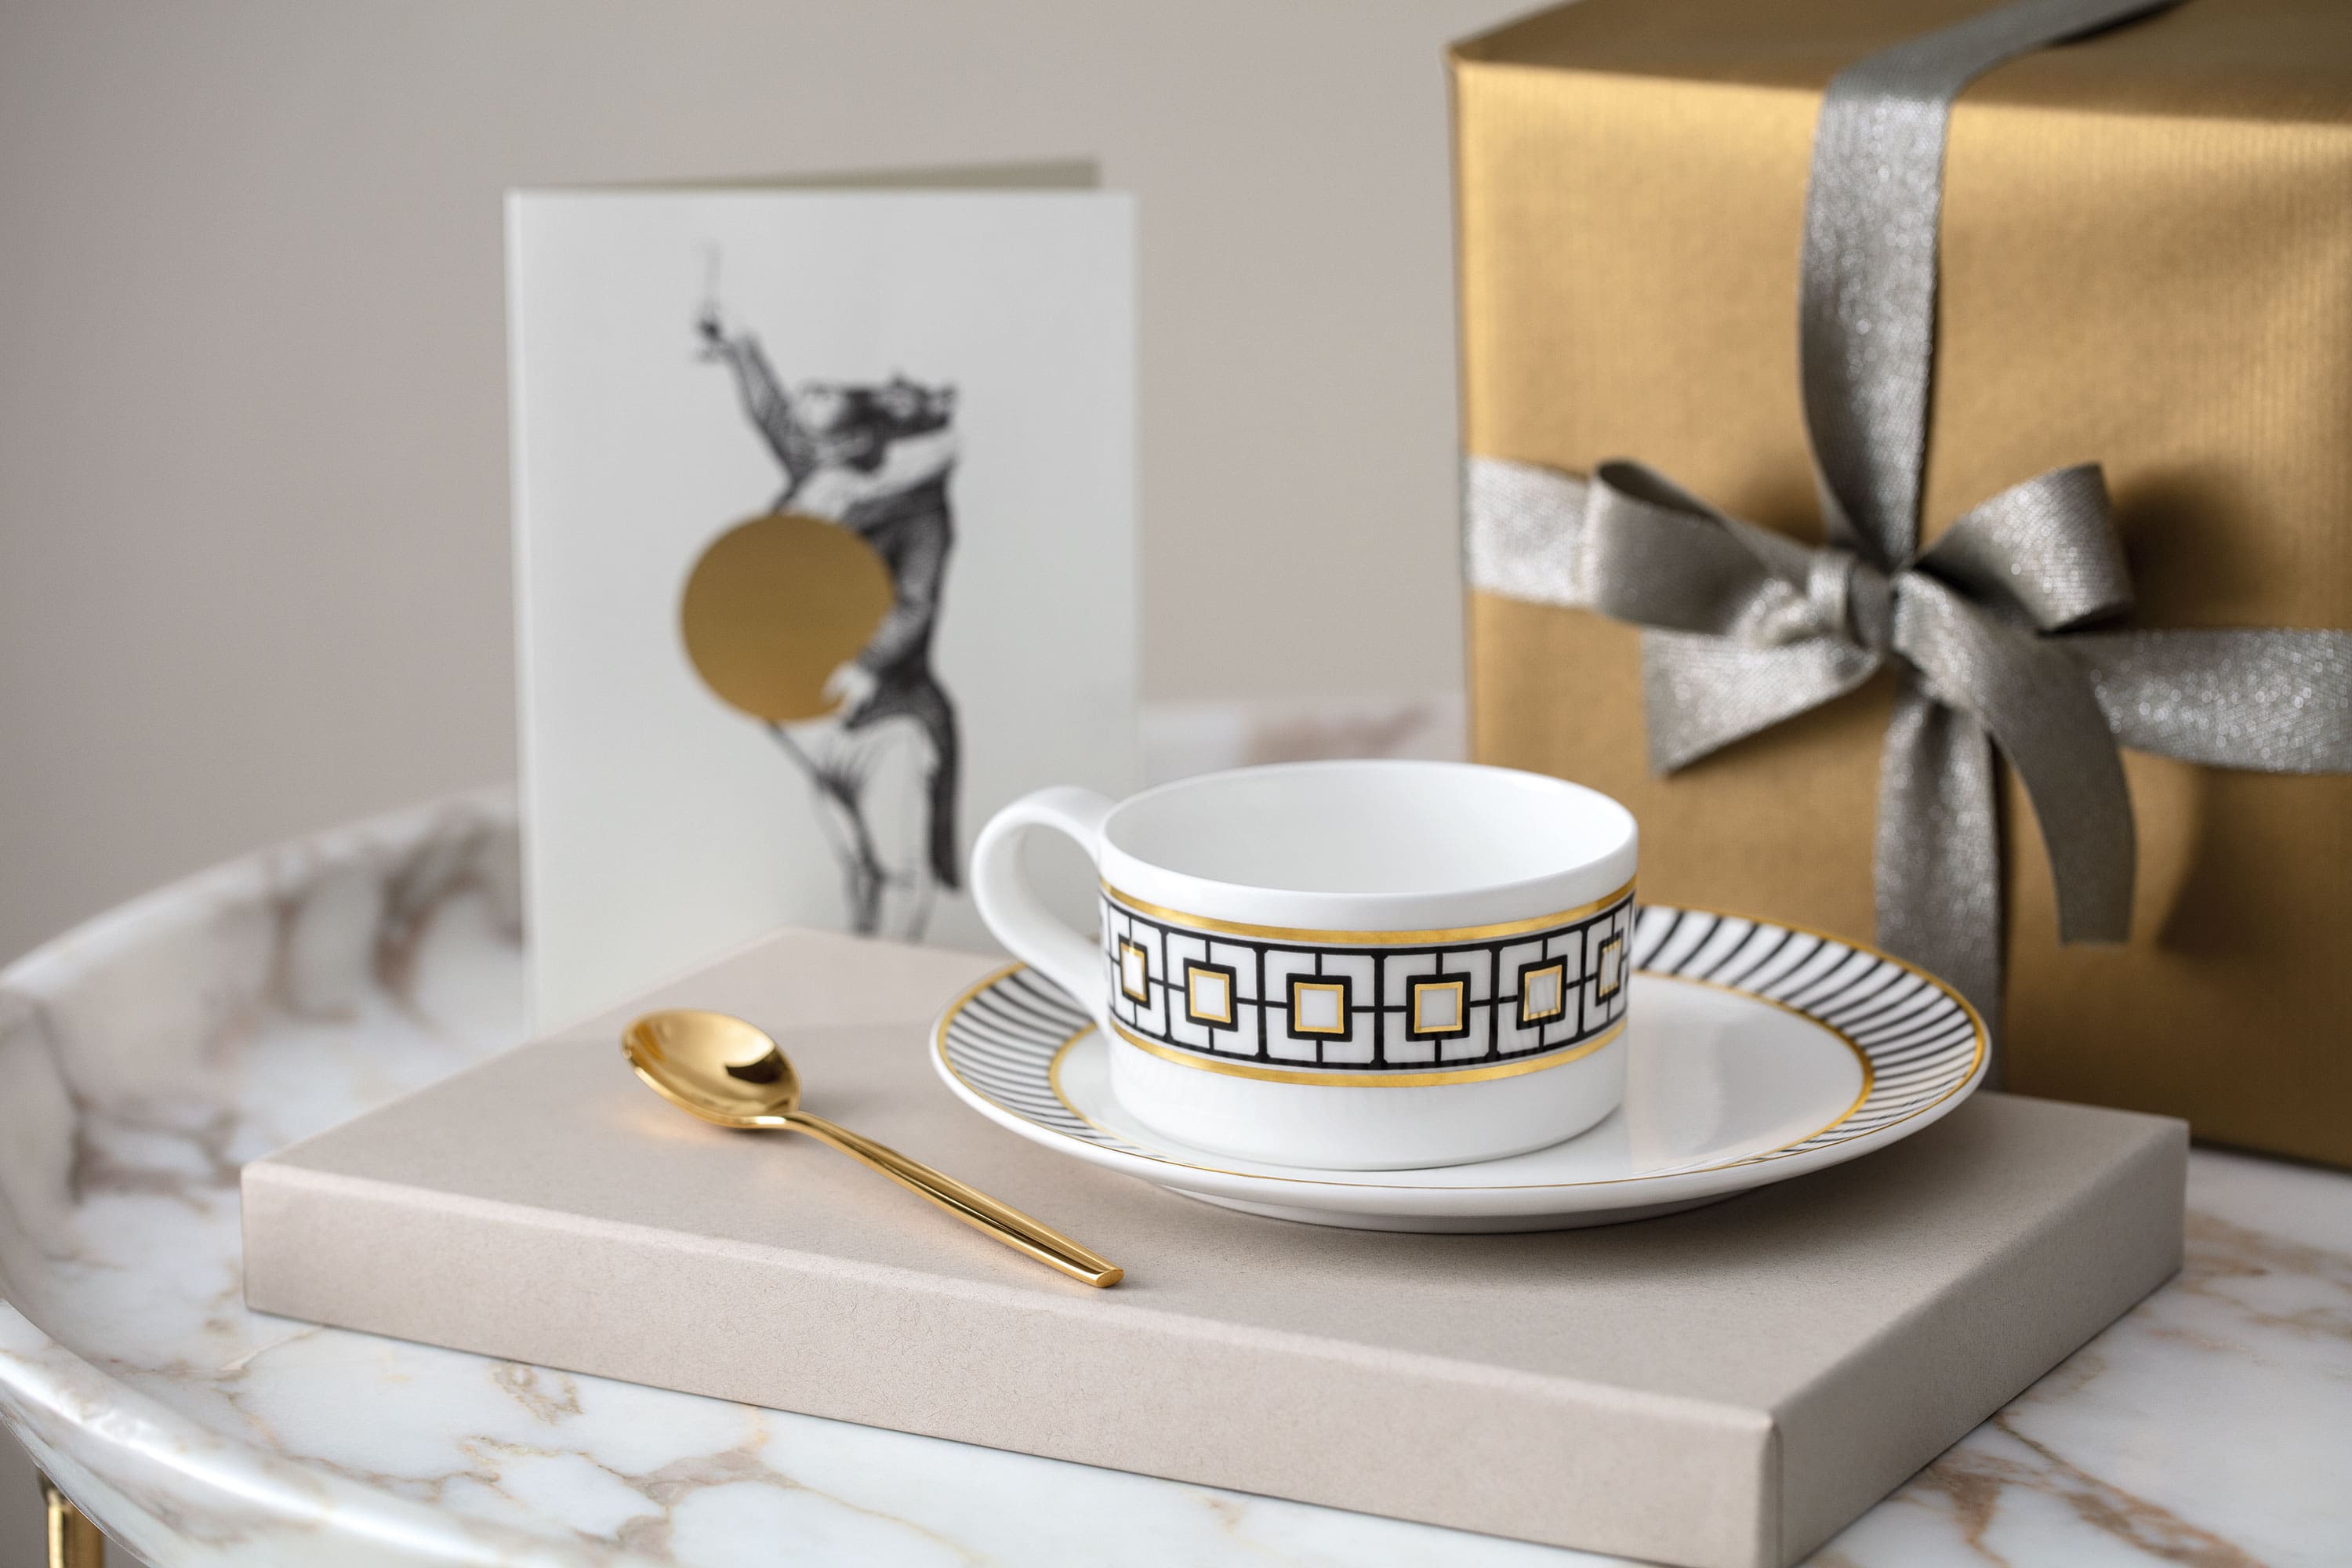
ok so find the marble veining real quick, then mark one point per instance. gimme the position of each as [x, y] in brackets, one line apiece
[149, 1054]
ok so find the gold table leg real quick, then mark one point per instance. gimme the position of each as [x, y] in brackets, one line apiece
[74, 1541]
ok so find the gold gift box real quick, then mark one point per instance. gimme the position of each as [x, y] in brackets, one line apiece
[2146, 263]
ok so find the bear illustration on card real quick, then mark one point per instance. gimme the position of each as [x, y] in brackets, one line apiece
[817, 619]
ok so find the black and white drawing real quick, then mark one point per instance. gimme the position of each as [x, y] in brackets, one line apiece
[825, 553]
[874, 459]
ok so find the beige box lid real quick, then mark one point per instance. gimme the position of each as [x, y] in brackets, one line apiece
[1728, 1386]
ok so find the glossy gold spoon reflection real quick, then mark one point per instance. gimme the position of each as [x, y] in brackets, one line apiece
[726, 1070]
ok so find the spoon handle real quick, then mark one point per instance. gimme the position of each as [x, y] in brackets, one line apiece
[974, 1207]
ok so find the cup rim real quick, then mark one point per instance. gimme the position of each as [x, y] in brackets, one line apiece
[1557, 890]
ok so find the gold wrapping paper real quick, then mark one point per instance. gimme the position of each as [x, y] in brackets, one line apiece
[2146, 263]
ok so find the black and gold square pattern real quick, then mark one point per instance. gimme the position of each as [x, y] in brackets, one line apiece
[1367, 1006]
[1209, 993]
[1439, 1008]
[1320, 1007]
[1609, 967]
[1134, 972]
[1543, 991]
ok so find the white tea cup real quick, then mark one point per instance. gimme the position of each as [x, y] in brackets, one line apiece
[1355, 966]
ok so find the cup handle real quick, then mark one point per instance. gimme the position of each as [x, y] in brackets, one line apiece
[1011, 908]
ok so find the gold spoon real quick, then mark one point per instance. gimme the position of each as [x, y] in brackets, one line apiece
[725, 1070]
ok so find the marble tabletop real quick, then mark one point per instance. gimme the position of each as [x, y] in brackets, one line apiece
[145, 1056]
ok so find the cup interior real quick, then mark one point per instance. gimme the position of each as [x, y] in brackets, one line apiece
[1395, 828]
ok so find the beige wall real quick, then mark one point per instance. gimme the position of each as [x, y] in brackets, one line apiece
[253, 559]
[253, 556]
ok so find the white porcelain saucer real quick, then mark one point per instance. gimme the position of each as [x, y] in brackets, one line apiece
[1757, 1053]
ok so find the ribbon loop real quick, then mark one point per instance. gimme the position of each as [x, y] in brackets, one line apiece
[1699, 694]
[1656, 556]
[2045, 553]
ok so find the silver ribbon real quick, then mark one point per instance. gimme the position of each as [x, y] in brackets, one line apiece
[1744, 627]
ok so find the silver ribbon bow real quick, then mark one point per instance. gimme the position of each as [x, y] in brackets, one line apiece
[1744, 627]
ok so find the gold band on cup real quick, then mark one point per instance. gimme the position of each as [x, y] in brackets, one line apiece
[1395, 1077]
[1439, 938]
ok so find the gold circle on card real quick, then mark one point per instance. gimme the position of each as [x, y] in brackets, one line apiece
[774, 607]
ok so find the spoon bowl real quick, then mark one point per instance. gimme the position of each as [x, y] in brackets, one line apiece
[715, 1066]
[732, 1073]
